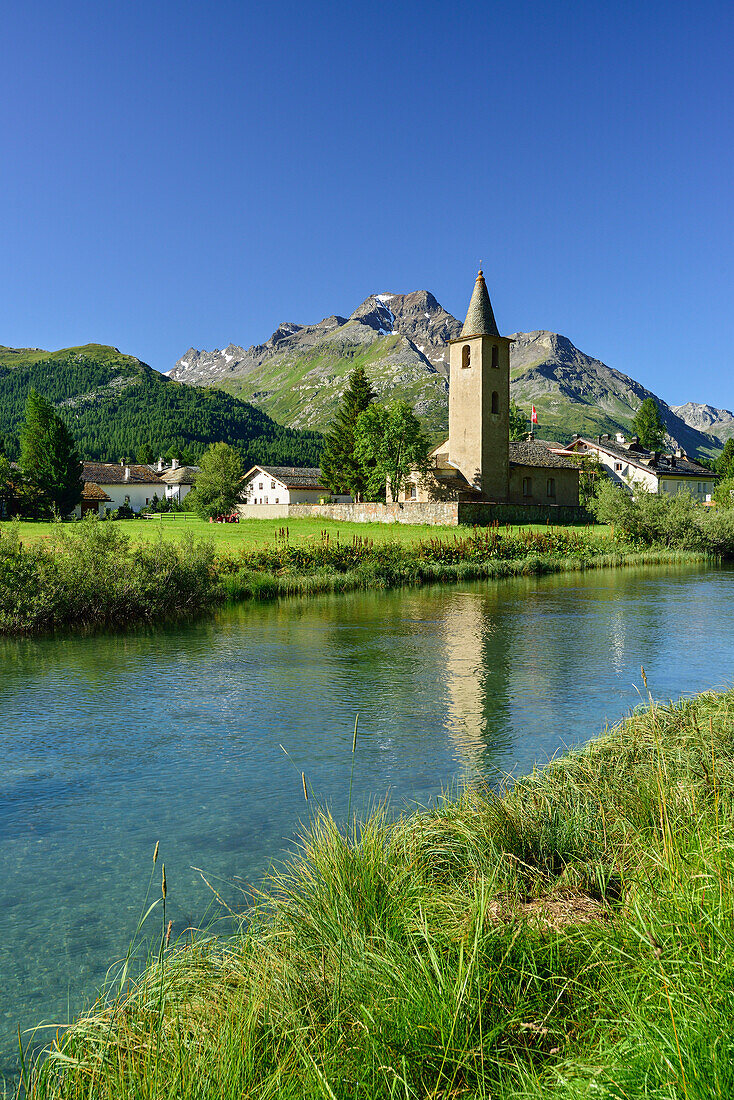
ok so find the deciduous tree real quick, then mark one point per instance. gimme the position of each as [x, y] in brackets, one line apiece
[49, 458]
[518, 422]
[390, 441]
[218, 483]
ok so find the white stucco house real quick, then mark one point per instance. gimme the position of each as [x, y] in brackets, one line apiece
[630, 464]
[114, 485]
[286, 485]
[178, 480]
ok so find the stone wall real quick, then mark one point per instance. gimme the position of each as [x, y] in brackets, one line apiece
[441, 513]
[446, 513]
[554, 514]
[264, 511]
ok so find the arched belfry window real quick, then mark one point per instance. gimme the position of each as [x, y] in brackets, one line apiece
[495, 356]
[466, 356]
[495, 402]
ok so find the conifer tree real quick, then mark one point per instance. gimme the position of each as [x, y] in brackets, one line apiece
[648, 423]
[49, 459]
[5, 486]
[342, 470]
[725, 461]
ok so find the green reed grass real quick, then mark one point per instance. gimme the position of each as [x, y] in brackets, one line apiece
[569, 936]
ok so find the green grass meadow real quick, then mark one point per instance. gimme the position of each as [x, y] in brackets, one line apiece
[256, 533]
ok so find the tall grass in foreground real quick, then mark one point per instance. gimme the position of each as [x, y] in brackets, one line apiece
[571, 937]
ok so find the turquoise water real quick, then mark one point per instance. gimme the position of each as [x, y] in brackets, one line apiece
[109, 744]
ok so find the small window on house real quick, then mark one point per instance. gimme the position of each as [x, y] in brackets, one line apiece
[617, 466]
[466, 356]
[146, 500]
[550, 487]
[411, 492]
[277, 501]
[260, 485]
[495, 402]
[272, 484]
[495, 356]
[127, 500]
[527, 487]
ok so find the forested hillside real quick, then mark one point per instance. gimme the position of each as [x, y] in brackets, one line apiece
[114, 404]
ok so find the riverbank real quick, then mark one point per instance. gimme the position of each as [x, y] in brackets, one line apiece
[93, 576]
[571, 937]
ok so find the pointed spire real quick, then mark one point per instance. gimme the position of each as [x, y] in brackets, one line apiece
[480, 318]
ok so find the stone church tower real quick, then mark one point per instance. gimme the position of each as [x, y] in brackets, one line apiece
[479, 400]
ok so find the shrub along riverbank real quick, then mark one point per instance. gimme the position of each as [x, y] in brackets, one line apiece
[571, 937]
[92, 575]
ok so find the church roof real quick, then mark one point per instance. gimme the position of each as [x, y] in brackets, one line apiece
[480, 318]
[535, 453]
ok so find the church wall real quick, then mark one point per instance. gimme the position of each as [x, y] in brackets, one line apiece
[544, 485]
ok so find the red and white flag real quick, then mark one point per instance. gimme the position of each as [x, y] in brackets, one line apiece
[533, 416]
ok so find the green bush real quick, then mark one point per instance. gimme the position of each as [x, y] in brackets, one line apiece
[91, 575]
[677, 521]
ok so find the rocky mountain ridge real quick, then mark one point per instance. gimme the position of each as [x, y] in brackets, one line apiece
[706, 418]
[299, 374]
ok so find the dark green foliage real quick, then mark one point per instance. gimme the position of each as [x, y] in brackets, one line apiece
[591, 474]
[114, 405]
[519, 421]
[49, 459]
[648, 425]
[724, 492]
[725, 461]
[145, 454]
[91, 576]
[6, 491]
[218, 483]
[390, 442]
[672, 521]
[342, 470]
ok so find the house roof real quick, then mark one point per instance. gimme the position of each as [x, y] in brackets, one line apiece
[293, 477]
[111, 473]
[480, 316]
[664, 465]
[91, 491]
[454, 479]
[537, 453]
[183, 475]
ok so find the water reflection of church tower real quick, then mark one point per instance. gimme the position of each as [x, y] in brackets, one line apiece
[477, 671]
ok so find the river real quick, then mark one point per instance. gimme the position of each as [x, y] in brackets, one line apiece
[197, 737]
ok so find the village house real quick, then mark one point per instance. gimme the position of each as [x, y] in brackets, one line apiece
[286, 485]
[135, 485]
[631, 465]
[478, 463]
[178, 480]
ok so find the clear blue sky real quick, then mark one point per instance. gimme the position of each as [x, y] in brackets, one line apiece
[178, 174]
